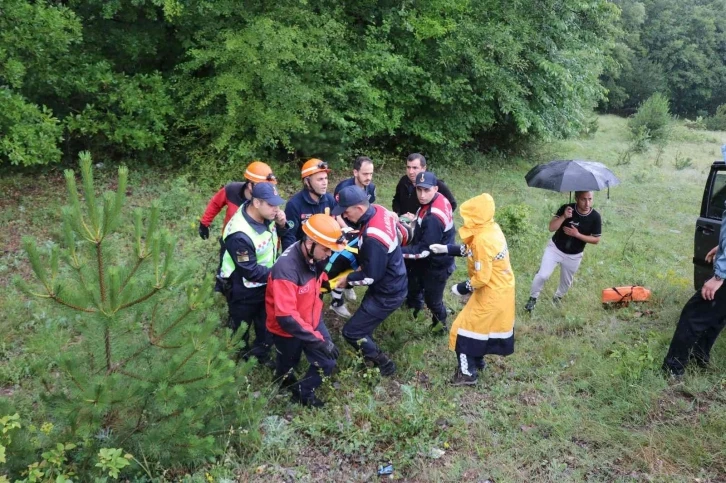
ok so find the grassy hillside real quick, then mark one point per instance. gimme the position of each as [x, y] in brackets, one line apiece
[581, 399]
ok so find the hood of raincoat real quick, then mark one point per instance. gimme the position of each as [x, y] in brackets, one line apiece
[477, 212]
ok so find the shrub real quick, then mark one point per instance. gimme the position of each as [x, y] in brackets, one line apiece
[717, 122]
[143, 367]
[653, 117]
[515, 222]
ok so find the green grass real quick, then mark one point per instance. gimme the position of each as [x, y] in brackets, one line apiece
[581, 399]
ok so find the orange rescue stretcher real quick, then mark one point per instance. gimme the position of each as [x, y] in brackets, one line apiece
[632, 293]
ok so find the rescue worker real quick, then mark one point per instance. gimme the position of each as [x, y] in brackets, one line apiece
[231, 196]
[251, 248]
[362, 177]
[702, 318]
[295, 308]
[434, 224]
[575, 225]
[405, 201]
[312, 199]
[486, 324]
[381, 269]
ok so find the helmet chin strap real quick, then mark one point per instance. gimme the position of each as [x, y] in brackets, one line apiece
[309, 253]
[309, 187]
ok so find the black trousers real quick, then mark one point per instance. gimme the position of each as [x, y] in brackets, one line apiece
[698, 328]
[428, 287]
[470, 365]
[248, 305]
[289, 350]
[373, 310]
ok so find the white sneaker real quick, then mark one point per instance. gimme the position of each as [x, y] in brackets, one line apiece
[341, 310]
[350, 294]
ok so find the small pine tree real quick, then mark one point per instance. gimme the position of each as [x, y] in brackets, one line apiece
[142, 368]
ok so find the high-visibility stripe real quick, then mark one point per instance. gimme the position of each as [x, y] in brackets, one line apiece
[314, 168]
[446, 220]
[255, 176]
[491, 335]
[322, 236]
[383, 237]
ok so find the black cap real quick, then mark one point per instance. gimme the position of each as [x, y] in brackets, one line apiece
[267, 192]
[347, 197]
[426, 179]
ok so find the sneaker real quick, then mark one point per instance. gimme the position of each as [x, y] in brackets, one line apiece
[350, 294]
[385, 365]
[530, 304]
[461, 379]
[309, 402]
[341, 310]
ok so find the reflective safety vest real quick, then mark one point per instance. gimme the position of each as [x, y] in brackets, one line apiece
[382, 227]
[265, 245]
[441, 209]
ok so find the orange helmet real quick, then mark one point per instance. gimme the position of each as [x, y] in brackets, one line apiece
[313, 166]
[259, 172]
[323, 229]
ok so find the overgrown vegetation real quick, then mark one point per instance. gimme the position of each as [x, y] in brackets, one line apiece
[582, 398]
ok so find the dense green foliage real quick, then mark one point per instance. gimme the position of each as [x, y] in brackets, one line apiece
[223, 81]
[676, 47]
[142, 366]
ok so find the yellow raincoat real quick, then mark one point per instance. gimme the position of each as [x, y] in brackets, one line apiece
[486, 324]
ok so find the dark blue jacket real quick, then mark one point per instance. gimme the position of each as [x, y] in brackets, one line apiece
[370, 189]
[299, 208]
[431, 229]
[381, 270]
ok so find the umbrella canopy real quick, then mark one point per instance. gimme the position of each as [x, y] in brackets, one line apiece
[572, 175]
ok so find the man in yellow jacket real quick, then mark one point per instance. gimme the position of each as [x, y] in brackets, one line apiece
[486, 324]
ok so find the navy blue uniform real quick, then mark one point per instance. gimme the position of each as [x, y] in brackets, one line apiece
[427, 277]
[370, 189]
[247, 304]
[382, 271]
[298, 209]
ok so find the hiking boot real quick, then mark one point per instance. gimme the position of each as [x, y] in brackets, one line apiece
[350, 294]
[385, 365]
[309, 402]
[341, 310]
[461, 379]
[530, 304]
[557, 301]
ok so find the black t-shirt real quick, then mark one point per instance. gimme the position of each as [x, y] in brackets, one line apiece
[589, 224]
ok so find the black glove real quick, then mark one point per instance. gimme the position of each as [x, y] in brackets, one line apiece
[327, 347]
[203, 231]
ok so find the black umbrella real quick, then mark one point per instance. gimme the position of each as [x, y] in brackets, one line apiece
[572, 175]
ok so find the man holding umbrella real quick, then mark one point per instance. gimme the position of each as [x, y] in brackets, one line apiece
[575, 225]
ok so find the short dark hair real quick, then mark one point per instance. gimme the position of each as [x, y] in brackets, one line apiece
[415, 156]
[359, 162]
[578, 193]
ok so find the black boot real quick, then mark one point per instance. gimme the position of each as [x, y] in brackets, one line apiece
[385, 365]
[530, 304]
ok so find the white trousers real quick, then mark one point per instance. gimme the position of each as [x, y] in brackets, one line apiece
[551, 258]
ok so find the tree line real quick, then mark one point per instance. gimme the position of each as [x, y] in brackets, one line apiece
[219, 81]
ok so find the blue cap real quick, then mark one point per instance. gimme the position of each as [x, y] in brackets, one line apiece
[267, 192]
[347, 197]
[426, 179]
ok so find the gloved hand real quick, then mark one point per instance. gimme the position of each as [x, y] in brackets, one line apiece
[461, 289]
[327, 347]
[203, 231]
[437, 249]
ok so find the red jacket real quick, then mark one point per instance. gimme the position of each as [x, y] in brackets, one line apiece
[232, 196]
[293, 303]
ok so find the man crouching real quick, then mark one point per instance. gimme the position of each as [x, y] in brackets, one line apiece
[294, 308]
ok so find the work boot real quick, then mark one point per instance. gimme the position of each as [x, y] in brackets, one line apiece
[530, 304]
[461, 379]
[341, 310]
[385, 365]
[350, 294]
[310, 402]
